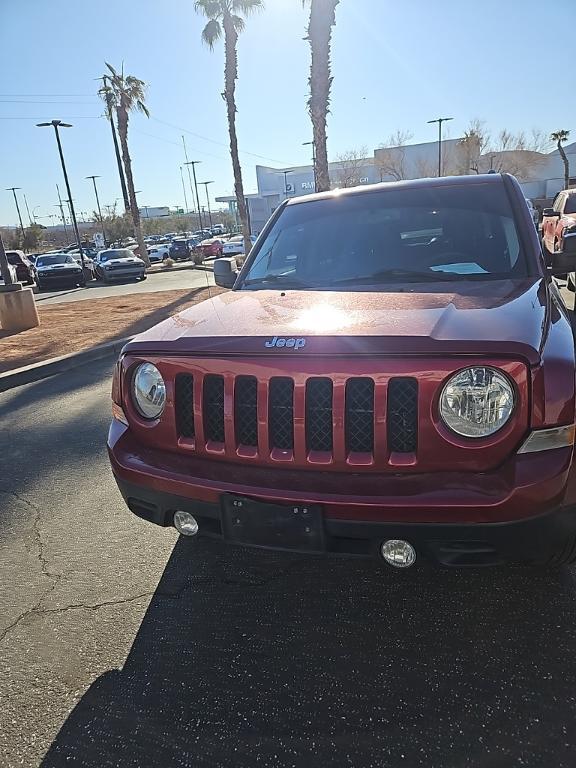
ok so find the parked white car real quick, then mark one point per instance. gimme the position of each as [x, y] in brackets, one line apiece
[235, 245]
[158, 253]
[12, 271]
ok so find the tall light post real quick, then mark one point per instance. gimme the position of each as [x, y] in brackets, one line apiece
[440, 120]
[27, 209]
[194, 163]
[13, 190]
[313, 145]
[56, 124]
[98, 205]
[184, 189]
[208, 200]
[286, 195]
[34, 217]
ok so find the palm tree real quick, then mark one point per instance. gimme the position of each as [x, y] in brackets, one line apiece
[126, 93]
[559, 137]
[322, 19]
[224, 18]
[108, 97]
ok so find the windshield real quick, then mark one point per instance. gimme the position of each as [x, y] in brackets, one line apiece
[54, 258]
[121, 253]
[431, 232]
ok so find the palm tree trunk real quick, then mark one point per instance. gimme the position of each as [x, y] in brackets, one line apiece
[230, 77]
[322, 19]
[120, 169]
[566, 165]
[122, 116]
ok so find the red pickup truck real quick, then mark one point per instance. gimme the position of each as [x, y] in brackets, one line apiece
[393, 374]
[559, 227]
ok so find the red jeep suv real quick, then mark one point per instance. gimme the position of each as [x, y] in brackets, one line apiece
[393, 374]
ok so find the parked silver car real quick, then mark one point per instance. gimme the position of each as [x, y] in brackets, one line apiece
[119, 264]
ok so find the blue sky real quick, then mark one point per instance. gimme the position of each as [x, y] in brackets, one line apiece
[395, 65]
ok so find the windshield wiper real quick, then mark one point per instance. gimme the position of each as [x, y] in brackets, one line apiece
[384, 274]
[286, 280]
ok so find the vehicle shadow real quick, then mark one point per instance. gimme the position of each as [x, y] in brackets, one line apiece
[249, 658]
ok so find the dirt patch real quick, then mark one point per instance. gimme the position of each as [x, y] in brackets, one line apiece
[75, 326]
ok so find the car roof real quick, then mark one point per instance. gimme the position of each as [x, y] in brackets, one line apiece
[444, 181]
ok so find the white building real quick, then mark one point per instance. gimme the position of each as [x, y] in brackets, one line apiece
[541, 175]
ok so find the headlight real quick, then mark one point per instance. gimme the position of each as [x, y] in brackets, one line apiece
[477, 402]
[148, 391]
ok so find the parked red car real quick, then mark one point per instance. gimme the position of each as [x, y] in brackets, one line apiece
[393, 374]
[23, 265]
[210, 249]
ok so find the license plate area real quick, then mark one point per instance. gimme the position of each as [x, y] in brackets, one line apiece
[278, 526]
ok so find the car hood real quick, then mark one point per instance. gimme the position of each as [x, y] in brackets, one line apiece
[57, 267]
[501, 317]
[127, 260]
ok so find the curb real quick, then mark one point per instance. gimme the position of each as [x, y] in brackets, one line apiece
[31, 373]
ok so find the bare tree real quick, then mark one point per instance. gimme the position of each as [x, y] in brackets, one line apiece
[425, 168]
[390, 158]
[539, 140]
[350, 166]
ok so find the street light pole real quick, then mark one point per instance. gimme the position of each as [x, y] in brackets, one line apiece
[440, 120]
[286, 195]
[61, 207]
[194, 163]
[313, 145]
[188, 164]
[98, 204]
[13, 190]
[59, 124]
[208, 200]
[27, 209]
[184, 190]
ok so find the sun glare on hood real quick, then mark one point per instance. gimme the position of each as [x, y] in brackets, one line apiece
[323, 318]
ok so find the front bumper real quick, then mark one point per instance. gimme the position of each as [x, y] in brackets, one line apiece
[122, 274]
[548, 539]
[59, 279]
[519, 512]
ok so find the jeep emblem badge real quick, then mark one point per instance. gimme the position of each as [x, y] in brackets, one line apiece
[280, 342]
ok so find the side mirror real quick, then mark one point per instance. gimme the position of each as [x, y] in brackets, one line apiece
[225, 272]
[565, 260]
[550, 212]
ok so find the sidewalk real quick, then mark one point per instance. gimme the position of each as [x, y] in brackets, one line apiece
[76, 326]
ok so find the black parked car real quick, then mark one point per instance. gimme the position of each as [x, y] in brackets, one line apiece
[57, 269]
[180, 249]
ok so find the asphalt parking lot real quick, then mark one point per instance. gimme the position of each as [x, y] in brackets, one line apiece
[121, 645]
[187, 276]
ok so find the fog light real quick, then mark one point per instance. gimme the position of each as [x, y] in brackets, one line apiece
[185, 523]
[398, 553]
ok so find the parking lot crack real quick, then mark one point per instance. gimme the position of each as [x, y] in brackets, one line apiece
[36, 534]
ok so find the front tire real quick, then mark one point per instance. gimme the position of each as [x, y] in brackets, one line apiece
[143, 277]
